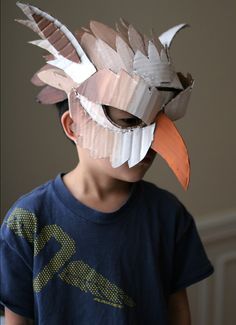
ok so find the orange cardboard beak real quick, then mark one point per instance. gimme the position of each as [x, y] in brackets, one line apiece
[169, 144]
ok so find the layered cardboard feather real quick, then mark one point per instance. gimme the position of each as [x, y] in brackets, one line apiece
[156, 69]
[88, 42]
[155, 40]
[125, 53]
[111, 59]
[104, 32]
[135, 40]
[122, 30]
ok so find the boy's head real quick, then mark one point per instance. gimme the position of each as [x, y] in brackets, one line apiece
[122, 90]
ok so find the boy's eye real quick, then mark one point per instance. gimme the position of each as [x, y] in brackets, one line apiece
[122, 119]
[130, 121]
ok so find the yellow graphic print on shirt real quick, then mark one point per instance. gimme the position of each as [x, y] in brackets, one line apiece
[81, 275]
[77, 273]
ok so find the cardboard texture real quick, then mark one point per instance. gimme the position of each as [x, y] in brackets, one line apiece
[120, 146]
[57, 79]
[107, 88]
[35, 79]
[50, 95]
[119, 68]
[135, 40]
[126, 54]
[156, 70]
[104, 33]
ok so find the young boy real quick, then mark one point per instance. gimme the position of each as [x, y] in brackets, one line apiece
[98, 245]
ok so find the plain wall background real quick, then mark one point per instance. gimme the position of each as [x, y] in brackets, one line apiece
[34, 148]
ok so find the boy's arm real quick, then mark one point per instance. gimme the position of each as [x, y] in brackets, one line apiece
[178, 308]
[12, 318]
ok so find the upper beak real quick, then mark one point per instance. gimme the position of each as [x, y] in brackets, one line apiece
[170, 145]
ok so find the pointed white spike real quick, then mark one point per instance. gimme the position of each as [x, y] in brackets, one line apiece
[167, 37]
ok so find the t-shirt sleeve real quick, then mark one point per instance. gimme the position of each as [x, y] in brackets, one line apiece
[16, 289]
[190, 261]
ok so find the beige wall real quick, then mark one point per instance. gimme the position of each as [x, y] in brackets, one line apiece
[33, 146]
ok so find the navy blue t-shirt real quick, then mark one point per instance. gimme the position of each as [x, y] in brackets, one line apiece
[65, 263]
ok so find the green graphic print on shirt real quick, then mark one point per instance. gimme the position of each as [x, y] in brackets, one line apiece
[77, 273]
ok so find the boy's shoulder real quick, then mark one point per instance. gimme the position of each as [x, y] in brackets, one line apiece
[34, 200]
[171, 212]
[24, 217]
[162, 196]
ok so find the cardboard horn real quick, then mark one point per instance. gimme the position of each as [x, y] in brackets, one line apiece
[169, 144]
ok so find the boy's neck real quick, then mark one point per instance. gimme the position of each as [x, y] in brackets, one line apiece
[98, 191]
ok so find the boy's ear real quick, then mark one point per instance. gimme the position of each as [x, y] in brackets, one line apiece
[67, 124]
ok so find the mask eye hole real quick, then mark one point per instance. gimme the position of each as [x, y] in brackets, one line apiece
[121, 118]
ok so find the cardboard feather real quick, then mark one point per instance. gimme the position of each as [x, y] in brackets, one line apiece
[57, 79]
[104, 33]
[50, 95]
[135, 40]
[125, 53]
[35, 79]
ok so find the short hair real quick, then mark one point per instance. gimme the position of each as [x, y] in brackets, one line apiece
[63, 107]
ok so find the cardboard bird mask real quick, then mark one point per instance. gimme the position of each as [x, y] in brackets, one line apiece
[99, 68]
